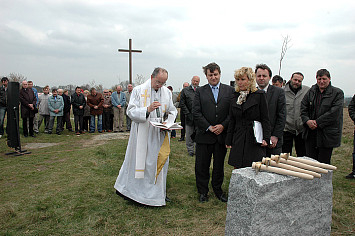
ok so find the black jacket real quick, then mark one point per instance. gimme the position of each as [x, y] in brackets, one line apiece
[67, 103]
[240, 134]
[207, 112]
[351, 109]
[3, 98]
[330, 117]
[186, 100]
[276, 101]
[77, 101]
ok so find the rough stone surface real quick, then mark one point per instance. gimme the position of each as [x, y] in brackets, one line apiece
[272, 204]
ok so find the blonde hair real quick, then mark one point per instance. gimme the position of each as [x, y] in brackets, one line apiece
[251, 78]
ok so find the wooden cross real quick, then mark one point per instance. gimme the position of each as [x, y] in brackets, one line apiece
[145, 96]
[130, 58]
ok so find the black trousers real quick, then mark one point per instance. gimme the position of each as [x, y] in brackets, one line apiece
[86, 123]
[354, 153]
[204, 154]
[321, 154]
[182, 118]
[30, 126]
[66, 120]
[106, 116]
[78, 122]
[287, 145]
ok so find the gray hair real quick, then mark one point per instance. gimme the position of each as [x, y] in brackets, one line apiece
[158, 70]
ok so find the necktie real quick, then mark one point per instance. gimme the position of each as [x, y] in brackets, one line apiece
[215, 93]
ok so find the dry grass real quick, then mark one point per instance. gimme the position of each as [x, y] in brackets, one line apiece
[67, 189]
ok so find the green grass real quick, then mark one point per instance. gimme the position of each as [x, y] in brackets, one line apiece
[67, 189]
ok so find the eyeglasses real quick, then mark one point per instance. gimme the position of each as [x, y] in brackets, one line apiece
[160, 83]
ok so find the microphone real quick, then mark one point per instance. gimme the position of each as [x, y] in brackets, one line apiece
[157, 109]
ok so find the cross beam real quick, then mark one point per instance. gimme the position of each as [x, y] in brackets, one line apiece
[130, 50]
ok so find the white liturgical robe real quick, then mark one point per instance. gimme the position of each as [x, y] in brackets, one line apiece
[137, 177]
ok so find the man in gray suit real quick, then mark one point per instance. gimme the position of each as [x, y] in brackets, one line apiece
[277, 107]
[186, 100]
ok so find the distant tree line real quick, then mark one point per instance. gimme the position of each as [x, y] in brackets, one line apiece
[17, 77]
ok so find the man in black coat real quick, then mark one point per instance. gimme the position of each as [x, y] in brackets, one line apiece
[186, 100]
[3, 103]
[28, 103]
[351, 109]
[78, 102]
[277, 108]
[322, 115]
[210, 113]
[66, 111]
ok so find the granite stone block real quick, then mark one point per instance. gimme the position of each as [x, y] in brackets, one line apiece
[273, 204]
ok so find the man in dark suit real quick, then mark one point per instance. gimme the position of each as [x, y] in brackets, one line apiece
[210, 113]
[277, 108]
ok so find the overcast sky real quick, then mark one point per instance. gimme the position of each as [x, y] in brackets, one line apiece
[59, 42]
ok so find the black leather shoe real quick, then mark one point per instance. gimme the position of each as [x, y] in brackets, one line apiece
[222, 197]
[167, 199]
[203, 197]
[181, 139]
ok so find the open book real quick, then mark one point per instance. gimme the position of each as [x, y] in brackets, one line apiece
[168, 126]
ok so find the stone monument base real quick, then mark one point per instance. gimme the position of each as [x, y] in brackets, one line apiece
[272, 204]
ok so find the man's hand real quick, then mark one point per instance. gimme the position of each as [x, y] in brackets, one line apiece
[274, 141]
[264, 143]
[96, 107]
[217, 129]
[56, 111]
[227, 146]
[154, 106]
[81, 107]
[312, 124]
[119, 106]
[31, 106]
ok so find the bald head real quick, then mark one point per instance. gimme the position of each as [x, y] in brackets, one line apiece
[60, 92]
[24, 84]
[119, 88]
[195, 81]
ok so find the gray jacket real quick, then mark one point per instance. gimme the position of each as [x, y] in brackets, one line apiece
[43, 108]
[55, 104]
[294, 122]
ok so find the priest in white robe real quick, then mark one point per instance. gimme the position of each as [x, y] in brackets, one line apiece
[137, 179]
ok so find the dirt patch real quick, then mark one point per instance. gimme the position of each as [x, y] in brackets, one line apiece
[98, 140]
[111, 136]
[39, 145]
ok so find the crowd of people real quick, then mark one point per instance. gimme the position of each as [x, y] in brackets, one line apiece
[216, 117]
[92, 111]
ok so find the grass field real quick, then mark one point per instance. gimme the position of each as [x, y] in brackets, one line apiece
[67, 189]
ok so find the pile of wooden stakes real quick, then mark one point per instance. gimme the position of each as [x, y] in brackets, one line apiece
[285, 164]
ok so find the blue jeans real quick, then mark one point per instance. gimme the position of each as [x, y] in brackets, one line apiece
[99, 123]
[2, 118]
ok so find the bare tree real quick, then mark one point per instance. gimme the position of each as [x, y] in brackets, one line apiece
[140, 79]
[16, 77]
[285, 46]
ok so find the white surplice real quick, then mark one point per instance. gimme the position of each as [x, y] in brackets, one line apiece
[143, 188]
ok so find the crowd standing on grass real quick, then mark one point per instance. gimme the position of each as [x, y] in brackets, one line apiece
[215, 117]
